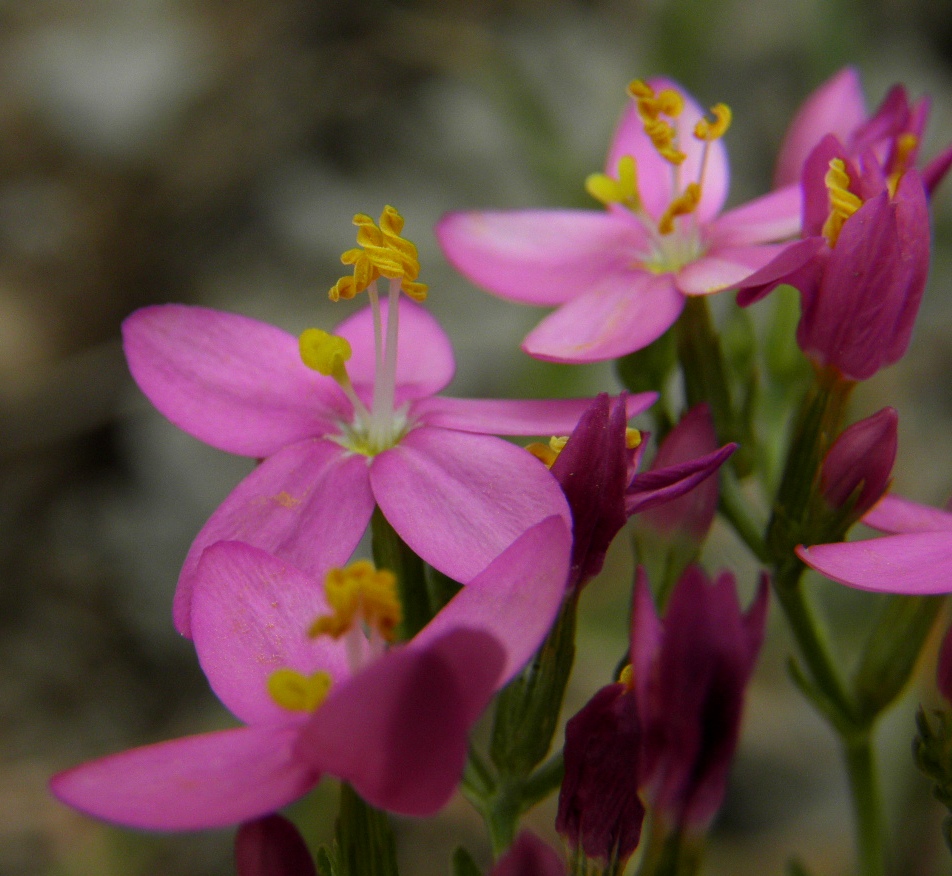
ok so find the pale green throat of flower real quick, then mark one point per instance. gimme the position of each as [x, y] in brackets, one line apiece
[365, 613]
[674, 240]
[380, 253]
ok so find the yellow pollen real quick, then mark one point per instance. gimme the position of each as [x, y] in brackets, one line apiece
[905, 146]
[651, 107]
[632, 438]
[325, 353]
[627, 676]
[548, 453]
[706, 130]
[380, 252]
[292, 690]
[623, 190]
[360, 593]
[843, 203]
[682, 205]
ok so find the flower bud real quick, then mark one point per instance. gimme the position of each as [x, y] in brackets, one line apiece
[860, 462]
[271, 846]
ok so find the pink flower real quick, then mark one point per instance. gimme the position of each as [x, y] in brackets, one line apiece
[689, 675]
[619, 277]
[455, 494]
[394, 723]
[893, 133]
[915, 558]
[862, 267]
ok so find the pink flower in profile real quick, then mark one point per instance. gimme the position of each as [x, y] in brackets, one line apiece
[619, 277]
[392, 723]
[345, 422]
[893, 133]
[914, 558]
[689, 676]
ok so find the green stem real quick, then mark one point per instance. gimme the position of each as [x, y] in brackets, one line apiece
[390, 552]
[365, 841]
[733, 506]
[811, 642]
[867, 804]
[543, 782]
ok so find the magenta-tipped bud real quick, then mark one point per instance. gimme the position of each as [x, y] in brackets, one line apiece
[690, 516]
[861, 459]
[529, 856]
[690, 674]
[600, 811]
[271, 846]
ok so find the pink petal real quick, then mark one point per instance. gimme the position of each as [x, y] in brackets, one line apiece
[774, 216]
[458, 499]
[895, 514]
[193, 783]
[724, 268]
[232, 382]
[836, 107]
[308, 504]
[918, 563]
[515, 599]
[399, 731]
[529, 856]
[425, 363]
[655, 175]
[540, 256]
[250, 615]
[636, 308]
[646, 635]
[514, 417]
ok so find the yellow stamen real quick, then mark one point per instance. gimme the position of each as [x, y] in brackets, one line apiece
[905, 146]
[632, 438]
[380, 252]
[324, 352]
[627, 676]
[651, 107]
[548, 453]
[297, 692]
[706, 130]
[843, 203]
[682, 205]
[360, 593]
[623, 190]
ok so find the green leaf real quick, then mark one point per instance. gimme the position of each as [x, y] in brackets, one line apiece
[463, 863]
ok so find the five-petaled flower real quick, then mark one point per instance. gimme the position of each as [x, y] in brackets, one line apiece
[343, 422]
[619, 277]
[393, 723]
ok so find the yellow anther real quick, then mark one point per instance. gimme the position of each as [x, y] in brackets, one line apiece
[905, 147]
[651, 107]
[324, 352]
[707, 130]
[627, 676]
[380, 252]
[670, 102]
[623, 190]
[548, 453]
[843, 203]
[292, 690]
[640, 90]
[632, 438]
[682, 205]
[360, 593]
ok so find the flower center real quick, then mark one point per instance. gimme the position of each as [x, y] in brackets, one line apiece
[674, 238]
[365, 612]
[843, 203]
[380, 253]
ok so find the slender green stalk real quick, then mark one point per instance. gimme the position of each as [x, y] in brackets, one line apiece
[867, 804]
[390, 552]
[733, 506]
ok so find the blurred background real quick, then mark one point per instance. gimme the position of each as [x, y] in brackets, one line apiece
[214, 152]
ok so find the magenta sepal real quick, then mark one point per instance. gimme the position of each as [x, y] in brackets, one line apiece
[529, 856]
[600, 810]
[690, 671]
[271, 846]
[396, 728]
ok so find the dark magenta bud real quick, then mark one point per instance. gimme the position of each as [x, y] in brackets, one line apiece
[271, 846]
